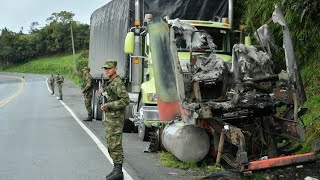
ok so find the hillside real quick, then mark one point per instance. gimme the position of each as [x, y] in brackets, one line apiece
[53, 64]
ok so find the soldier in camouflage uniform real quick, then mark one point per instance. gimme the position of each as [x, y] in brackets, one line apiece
[87, 91]
[51, 82]
[117, 99]
[59, 80]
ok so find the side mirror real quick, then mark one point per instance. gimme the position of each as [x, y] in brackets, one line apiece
[247, 41]
[129, 43]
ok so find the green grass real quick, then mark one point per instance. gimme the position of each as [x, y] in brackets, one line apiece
[169, 160]
[311, 78]
[49, 65]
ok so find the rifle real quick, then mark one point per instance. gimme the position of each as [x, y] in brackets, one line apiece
[103, 96]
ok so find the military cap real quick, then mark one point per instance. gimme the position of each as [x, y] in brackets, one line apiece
[86, 68]
[109, 64]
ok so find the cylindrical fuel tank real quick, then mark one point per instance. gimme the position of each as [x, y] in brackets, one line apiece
[188, 143]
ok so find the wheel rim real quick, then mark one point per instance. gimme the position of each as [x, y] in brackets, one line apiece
[141, 130]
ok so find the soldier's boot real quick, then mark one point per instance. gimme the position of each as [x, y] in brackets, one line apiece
[60, 98]
[117, 173]
[89, 118]
[111, 173]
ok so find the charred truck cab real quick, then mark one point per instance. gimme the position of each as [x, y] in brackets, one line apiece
[109, 26]
[229, 109]
[137, 45]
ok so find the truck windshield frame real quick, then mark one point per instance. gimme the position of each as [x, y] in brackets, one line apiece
[220, 37]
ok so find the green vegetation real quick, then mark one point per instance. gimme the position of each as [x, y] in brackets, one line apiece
[54, 38]
[311, 77]
[53, 64]
[301, 17]
[169, 160]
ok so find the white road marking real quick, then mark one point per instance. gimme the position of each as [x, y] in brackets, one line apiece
[93, 137]
[47, 84]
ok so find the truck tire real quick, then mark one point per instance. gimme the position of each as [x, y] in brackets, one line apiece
[97, 113]
[128, 126]
[143, 132]
[92, 102]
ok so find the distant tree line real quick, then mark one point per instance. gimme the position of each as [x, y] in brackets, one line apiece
[53, 38]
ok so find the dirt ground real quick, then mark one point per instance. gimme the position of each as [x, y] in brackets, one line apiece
[295, 172]
[309, 171]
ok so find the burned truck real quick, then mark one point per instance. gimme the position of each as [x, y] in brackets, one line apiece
[238, 111]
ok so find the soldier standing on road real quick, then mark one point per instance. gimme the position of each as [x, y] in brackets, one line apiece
[87, 91]
[51, 82]
[59, 80]
[116, 100]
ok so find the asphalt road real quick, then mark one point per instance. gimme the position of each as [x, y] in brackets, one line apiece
[43, 138]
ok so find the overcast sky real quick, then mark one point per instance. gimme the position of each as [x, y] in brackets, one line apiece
[15, 14]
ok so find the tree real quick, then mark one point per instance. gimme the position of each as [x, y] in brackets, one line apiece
[33, 27]
[63, 17]
[7, 39]
[53, 38]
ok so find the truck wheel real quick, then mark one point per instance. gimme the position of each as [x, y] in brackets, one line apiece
[143, 132]
[92, 101]
[97, 113]
[128, 126]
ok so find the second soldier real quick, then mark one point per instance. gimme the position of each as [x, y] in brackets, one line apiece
[87, 92]
[51, 82]
[59, 80]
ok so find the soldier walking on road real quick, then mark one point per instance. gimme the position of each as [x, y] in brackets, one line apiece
[59, 80]
[51, 82]
[116, 100]
[87, 87]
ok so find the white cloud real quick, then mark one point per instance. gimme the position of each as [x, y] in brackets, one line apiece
[15, 14]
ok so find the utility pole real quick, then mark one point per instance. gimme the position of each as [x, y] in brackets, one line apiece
[73, 51]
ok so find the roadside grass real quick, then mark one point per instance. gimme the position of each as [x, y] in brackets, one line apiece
[49, 65]
[199, 169]
[311, 79]
[168, 160]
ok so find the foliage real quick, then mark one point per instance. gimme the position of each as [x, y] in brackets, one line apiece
[302, 18]
[82, 60]
[54, 38]
[50, 65]
[169, 160]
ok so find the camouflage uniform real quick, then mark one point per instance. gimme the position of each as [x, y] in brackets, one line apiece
[60, 80]
[87, 92]
[51, 82]
[117, 99]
